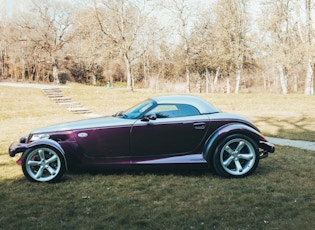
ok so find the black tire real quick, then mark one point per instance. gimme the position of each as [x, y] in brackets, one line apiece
[235, 156]
[43, 164]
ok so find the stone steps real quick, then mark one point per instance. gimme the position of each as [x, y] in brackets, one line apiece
[57, 96]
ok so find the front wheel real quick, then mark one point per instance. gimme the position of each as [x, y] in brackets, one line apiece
[236, 156]
[43, 164]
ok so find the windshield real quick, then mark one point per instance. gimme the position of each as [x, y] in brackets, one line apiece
[136, 111]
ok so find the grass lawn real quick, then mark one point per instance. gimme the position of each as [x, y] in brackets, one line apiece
[280, 195]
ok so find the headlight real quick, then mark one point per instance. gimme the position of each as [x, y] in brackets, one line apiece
[36, 137]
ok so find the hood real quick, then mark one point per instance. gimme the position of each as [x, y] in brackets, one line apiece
[86, 124]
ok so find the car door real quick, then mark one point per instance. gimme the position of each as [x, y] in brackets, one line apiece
[110, 139]
[177, 130]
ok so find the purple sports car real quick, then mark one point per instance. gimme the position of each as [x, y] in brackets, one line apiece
[161, 131]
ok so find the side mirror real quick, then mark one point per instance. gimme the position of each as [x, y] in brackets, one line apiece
[149, 117]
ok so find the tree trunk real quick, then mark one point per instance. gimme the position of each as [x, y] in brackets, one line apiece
[265, 81]
[145, 70]
[2, 62]
[130, 83]
[199, 81]
[283, 79]
[94, 79]
[216, 78]
[187, 79]
[55, 71]
[309, 90]
[238, 80]
[34, 71]
[4, 69]
[228, 86]
[207, 80]
[23, 69]
[295, 84]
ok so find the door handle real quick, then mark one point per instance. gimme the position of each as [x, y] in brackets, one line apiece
[200, 125]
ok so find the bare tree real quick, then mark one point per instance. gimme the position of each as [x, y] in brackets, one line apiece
[49, 30]
[121, 22]
[94, 51]
[280, 25]
[154, 58]
[232, 29]
[183, 15]
[204, 48]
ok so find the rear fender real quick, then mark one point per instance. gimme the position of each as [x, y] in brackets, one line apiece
[48, 143]
[224, 131]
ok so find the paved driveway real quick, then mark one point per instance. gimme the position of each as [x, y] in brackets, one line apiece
[308, 145]
[32, 85]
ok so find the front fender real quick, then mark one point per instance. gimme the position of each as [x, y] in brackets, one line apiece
[49, 143]
[224, 131]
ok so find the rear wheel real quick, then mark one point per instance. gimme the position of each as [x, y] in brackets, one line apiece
[43, 164]
[236, 156]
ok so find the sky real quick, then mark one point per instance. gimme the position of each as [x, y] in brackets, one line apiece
[10, 6]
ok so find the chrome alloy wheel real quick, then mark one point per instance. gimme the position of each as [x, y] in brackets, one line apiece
[42, 164]
[237, 156]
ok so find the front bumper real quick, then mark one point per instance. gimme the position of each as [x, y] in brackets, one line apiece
[16, 147]
[266, 147]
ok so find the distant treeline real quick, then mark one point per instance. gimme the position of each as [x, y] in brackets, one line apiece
[181, 45]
